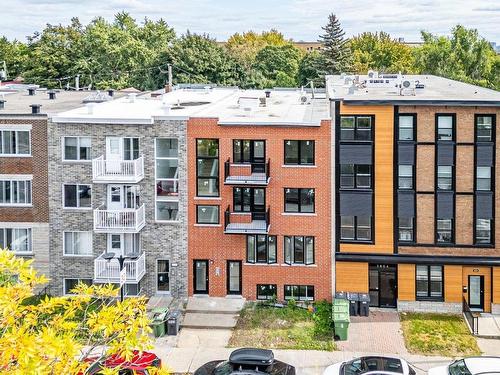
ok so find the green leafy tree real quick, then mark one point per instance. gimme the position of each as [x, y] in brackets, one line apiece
[310, 69]
[378, 51]
[15, 55]
[279, 64]
[336, 52]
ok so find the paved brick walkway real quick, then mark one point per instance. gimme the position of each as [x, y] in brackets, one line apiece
[378, 333]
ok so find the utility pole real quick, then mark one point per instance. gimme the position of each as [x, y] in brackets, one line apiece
[77, 82]
[169, 81]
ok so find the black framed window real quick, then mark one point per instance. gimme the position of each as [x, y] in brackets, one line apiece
[299, 152]
[299, 292]
[483, 178]
[207, 214]
[267, 291]
[406, 229]
[445, 177]
[405, 177]
[207, 167]
[406, 127]
[241, 151]
[355, 176]
[429, 282]
[444, 230]
[70, 284]
[77, 196]
[299, 200]
[484, 128]
[483, 231]
[356, 128]
[445, 127]
[299, 249]
[261, 249]
[355, 228]
[248, 199]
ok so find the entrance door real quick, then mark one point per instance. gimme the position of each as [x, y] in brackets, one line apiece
[252, 200]
[476, 292]
[258, 156]
[114, 154]
[200, 284]
[123, 196]
[124, 243]
[162, 276]
[382, 285]
[233, 277]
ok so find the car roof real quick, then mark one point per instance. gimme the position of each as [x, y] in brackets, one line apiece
[480, 365]
[139, 361]
[252, 356]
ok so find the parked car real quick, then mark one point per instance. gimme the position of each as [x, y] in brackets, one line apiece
[469, 366]
[139, 364]
[247, 361]
[371, 365]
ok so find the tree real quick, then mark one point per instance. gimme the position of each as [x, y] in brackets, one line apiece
[310, 69]
[53, 335]
[378, 51]
[15, 55]
[279, 64]
[336, 52]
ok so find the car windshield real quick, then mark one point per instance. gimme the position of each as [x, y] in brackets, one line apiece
[223, 368]
[458, 368]
[369, 364]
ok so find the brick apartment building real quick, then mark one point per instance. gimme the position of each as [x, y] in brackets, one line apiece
[415, 199]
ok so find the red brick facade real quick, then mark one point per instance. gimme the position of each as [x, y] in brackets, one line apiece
[212, 244]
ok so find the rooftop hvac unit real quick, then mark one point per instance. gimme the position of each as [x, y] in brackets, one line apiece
[304, 99]
[248, 104]
[407, 87]
[372, 74]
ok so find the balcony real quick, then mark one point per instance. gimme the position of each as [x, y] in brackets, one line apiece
[253, 223]
[116, 171]
[109, 271]
[246, 174]
[127, 220]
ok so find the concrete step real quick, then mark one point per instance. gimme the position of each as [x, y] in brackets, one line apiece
[218, 305]
[209, 321]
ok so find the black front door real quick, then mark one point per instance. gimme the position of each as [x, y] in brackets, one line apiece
[233, 277]
[258, 156]
[476, 292]
[200, 273]
[251, 200]
[382, 284]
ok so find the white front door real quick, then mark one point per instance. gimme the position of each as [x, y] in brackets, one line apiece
[124, 243]
[114, 154]
[116, 197]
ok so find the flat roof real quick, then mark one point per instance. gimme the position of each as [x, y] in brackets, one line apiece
[435, 91]
[232, 106]
[17, 100]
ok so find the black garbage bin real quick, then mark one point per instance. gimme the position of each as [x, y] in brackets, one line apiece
[340, 295]
[353, 299]
[364, 304]
[173, 323]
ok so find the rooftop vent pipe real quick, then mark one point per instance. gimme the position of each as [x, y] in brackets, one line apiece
[90, 108]
[31, 91]
[131, 97]
[2, 104]
[268, 93]
[52, 95]
[111, 92]
[35, 108]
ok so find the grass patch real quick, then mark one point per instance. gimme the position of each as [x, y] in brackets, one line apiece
[438, 334]
[278, 328]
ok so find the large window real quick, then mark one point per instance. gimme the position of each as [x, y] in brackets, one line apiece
[299, 152]
[267, 291]
[483, 178]
[17, 240]
[405, 177]
[405, 229]
[355, 128]
[429, 280]
[15, 192]
[70, 284]
[167, 179]
[261, 249]
[299, 249]
[77, 196]
[445, 125]
[355, 228]
[483, 231]
[247, 151]
[207, 214]
[15, 142]
[130, 148]
[484, 128]
[444, 230]
[249, 199]
[207, 167]
[445, 177]
[299, 200]
[406, 127]
[354, 176]
[78, 243]
[299, 292]
[77, 148]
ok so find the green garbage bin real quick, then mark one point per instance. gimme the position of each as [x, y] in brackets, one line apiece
[158, 321]
[340, 306]
[341, 322]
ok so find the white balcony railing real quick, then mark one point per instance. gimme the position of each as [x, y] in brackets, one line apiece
[109, 271]
[110, 171]
[128, 220]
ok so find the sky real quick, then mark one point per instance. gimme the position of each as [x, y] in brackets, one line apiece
[297, 19]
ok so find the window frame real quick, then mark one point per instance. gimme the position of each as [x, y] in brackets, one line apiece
[198, 177]
[355, 230]
[406, 177]
[412, 228]
[356, 130]
[12, 181]
[29, 234]
[299, 203]
[492, 130]
[355, 174]
[482, 179]
[298, 297]
[78, 207]
[78, 159]
[12, 129]
[168, 199]
[299, 153]
[429, 297]
[255, 249]
[79, 279]
[414, 127]
[452, 229]
[491, 232]
[198, 206]
[306, 261]
[451, 178]
[453, 127]
[267, 297]
[90, 254]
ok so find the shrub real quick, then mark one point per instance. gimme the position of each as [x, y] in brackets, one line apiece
[323, 322]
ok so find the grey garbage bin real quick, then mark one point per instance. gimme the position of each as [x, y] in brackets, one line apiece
[353, 303]
[364, 304]
[173, 322]
[340, 295]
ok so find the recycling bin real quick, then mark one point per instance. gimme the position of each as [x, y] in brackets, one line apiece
[340, 306]
[158, 318]
[173, 323]
[340, 295]
[341, 325]
[353, 299]
[364, 304]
